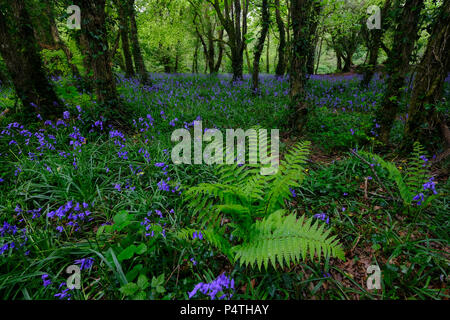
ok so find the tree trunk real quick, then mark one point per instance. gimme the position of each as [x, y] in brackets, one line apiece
[317, 8]
[195, 58]
[318, 56]
[300, 10]
[211, 49]
[136, 47]
[347, 62]
[94, 30]
[429, 83]
[374, 45]
[47, 35]
[281, 65]
[82, 45]
[397, 64]
[123, 11]
[268, 54]
[338, 61]
[220, 55]
[237, 63]
[19, 50]
[260, 45]
[234, 21]
[374, 48]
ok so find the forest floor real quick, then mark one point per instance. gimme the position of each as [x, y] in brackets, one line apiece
[79, 192]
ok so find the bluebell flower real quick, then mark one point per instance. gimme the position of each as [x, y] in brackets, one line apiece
[214, 287]
[86, 263]
[430, 185]
[293, 193]
[197, 235]
[419, 198]
[322, 216]
[46, 281]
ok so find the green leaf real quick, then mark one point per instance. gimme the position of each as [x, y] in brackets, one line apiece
[127, 253]
[129, 289]
[141, 295]
[132, 274]
[120, 218]
[142, 282]
[160, 289]
[142, 248]
[158, 281]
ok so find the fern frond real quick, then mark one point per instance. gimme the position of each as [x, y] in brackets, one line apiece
[283, 239]
[417, 172]
[212, 236]
[296, 157]
[394, 174]
[290, 175]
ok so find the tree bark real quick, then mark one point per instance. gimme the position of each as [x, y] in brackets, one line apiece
[123, 12]
[347, 62]
[397, 65]
[318, 56]
[301, 11]
[234, 21]
[281, 65]
[136, 47]
[429, 84]
[220, 55]
[265, 20]
[208, 40]
[195, 58]
[374, 44]
[268, 54]
[317, 8]
[338, 61]
[94, 30]
[19, 49]
[48, 37]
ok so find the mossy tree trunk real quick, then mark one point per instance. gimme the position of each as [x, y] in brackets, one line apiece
[429, 84]
[300, 11]
[19, 49]
[317, 8]
[94, 31]
[397, 65]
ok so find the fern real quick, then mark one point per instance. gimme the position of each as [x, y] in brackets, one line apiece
[394, 174]
[282, 238]
[410, 183]
[251, 205]
[211, 236]
[417, 172]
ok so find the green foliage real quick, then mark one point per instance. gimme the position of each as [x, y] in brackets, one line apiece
[339, 130]
[284, 239]
[252, 203]
[415, 174]
[55, 63]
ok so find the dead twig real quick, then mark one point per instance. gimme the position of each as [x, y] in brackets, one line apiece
[374, 172]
